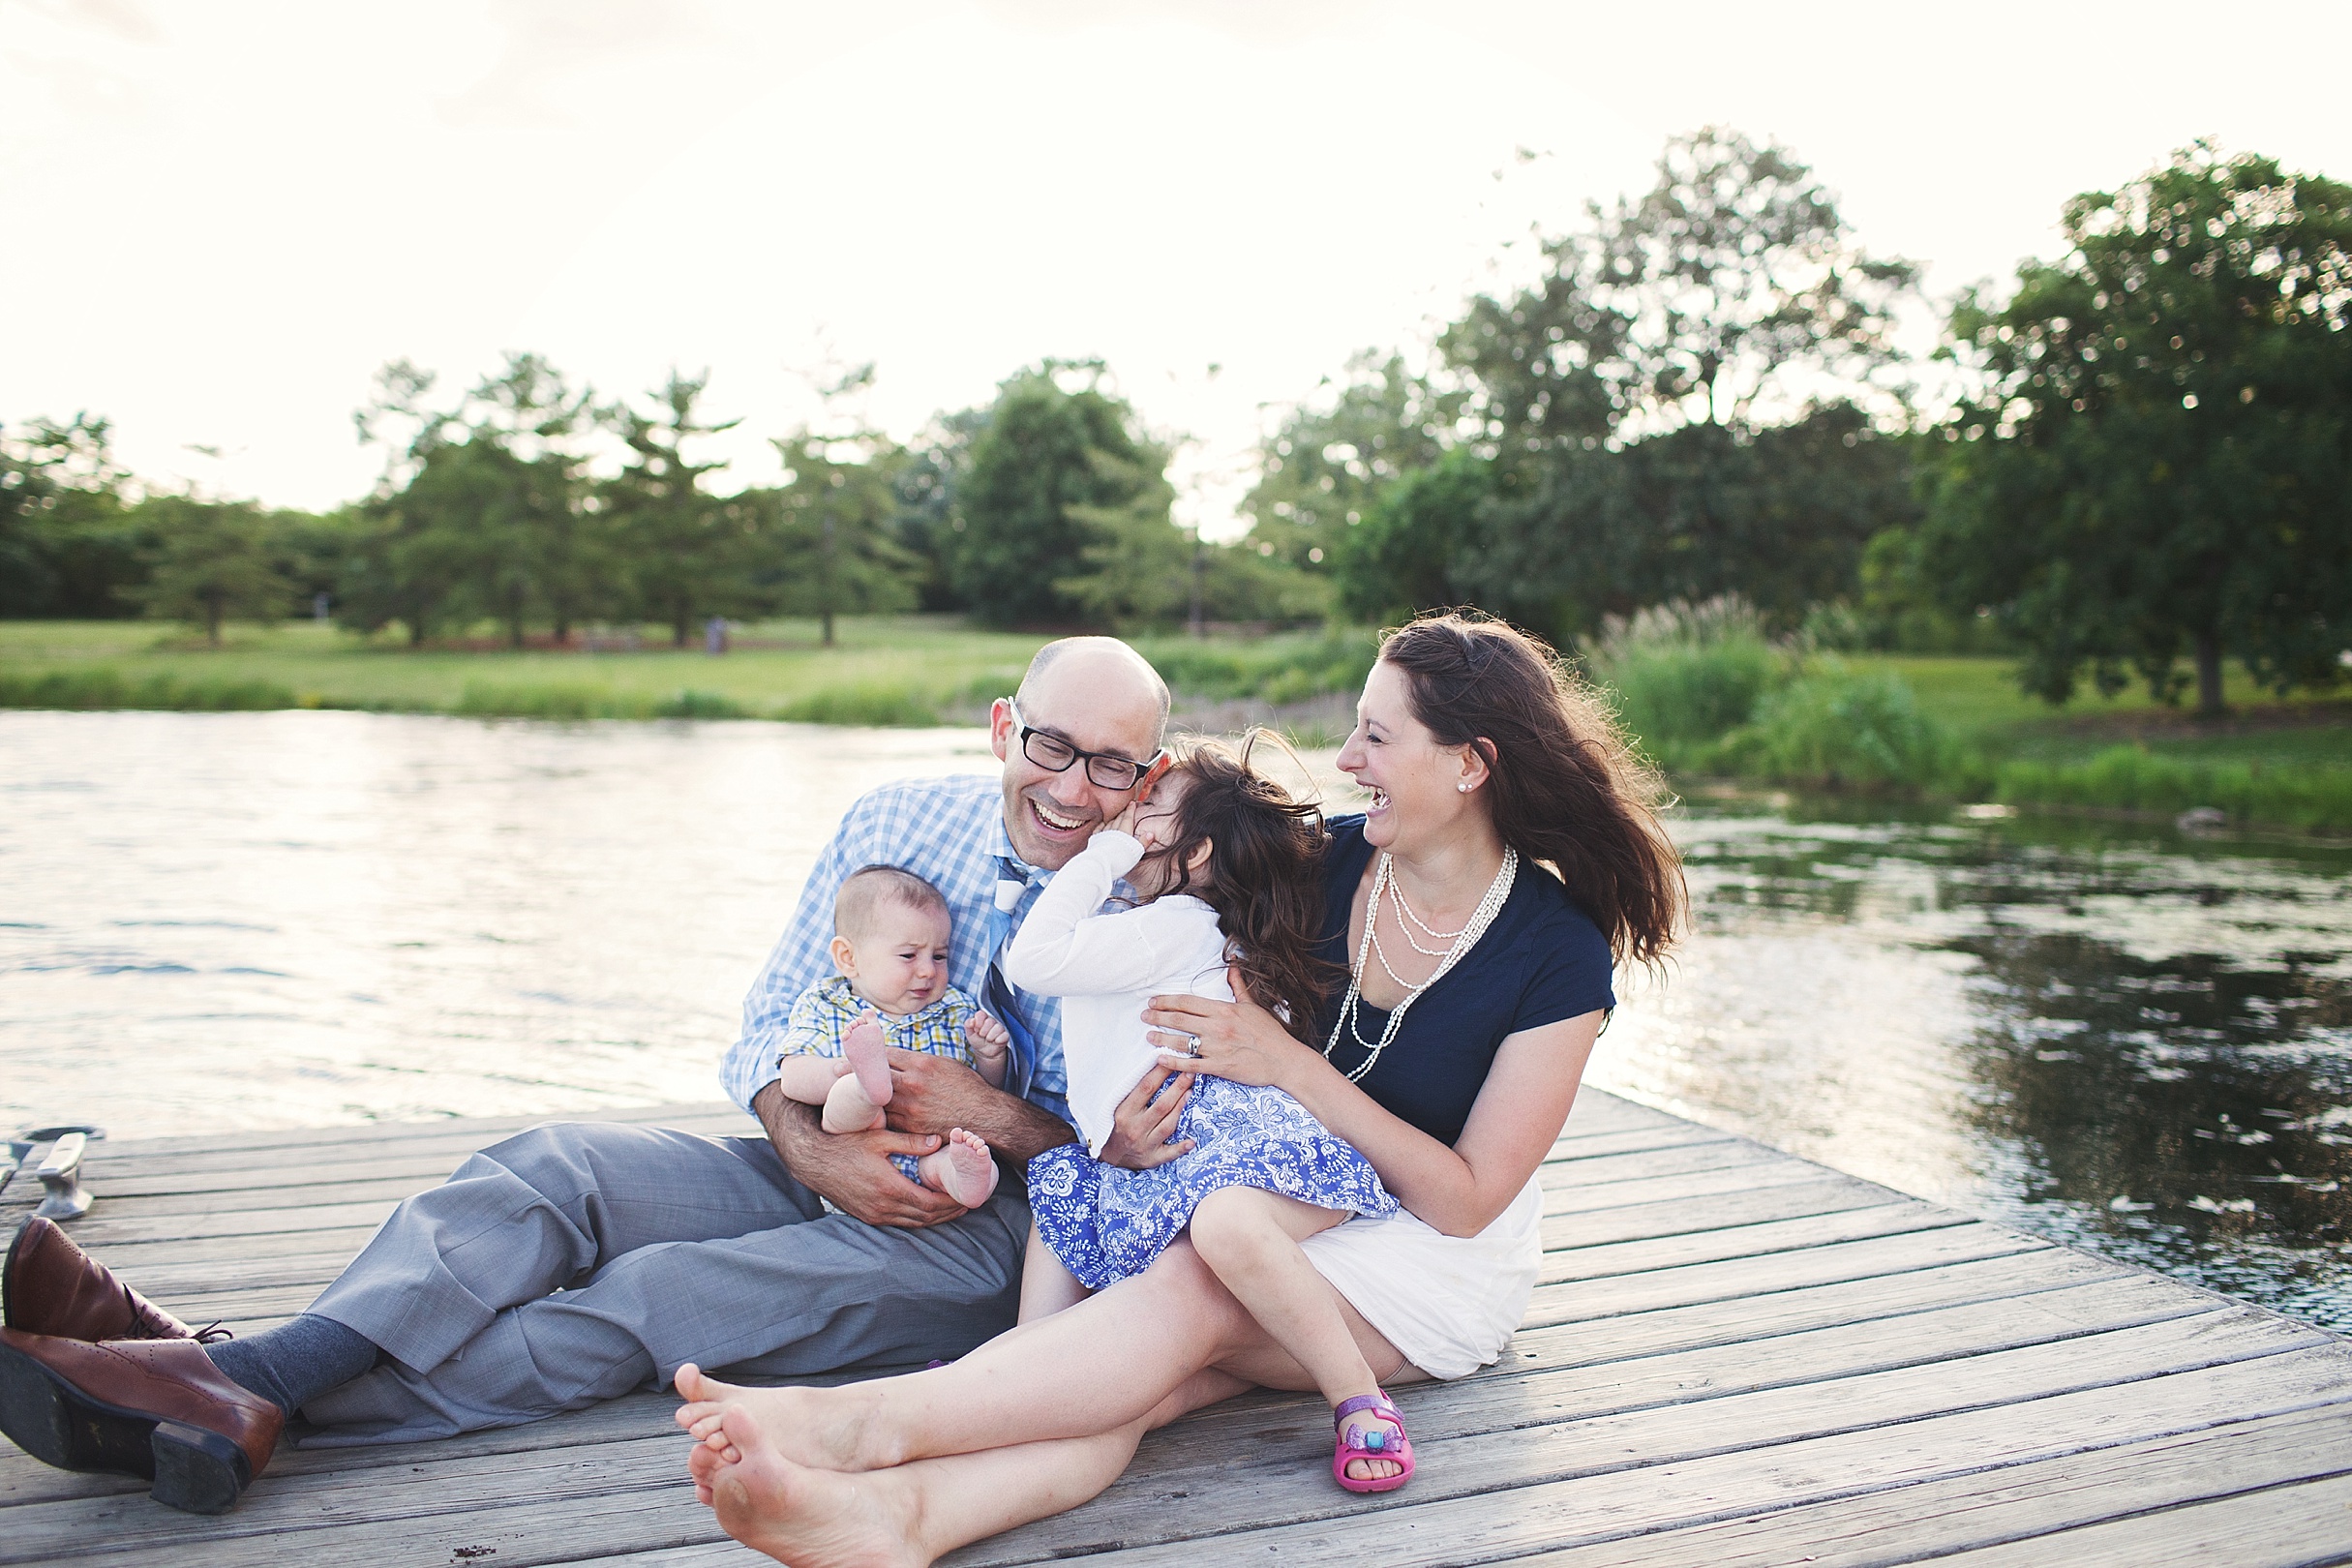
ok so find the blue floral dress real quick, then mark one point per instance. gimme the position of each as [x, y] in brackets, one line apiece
[1105, 1223]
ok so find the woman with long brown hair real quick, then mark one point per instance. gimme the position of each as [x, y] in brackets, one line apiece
[1508, 859]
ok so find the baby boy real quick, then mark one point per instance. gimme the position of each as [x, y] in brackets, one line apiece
[891, 931]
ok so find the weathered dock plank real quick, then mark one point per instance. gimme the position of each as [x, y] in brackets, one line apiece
[1733, 1357]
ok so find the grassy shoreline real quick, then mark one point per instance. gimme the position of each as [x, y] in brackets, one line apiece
[2285, 764]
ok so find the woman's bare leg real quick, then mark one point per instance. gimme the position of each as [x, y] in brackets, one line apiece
[814, 1518]
[1035, 1383]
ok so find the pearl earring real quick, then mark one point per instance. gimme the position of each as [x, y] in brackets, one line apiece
[1463, 788]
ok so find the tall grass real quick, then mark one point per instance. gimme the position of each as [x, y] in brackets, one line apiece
[1842, 730]
[2131, 778]
[1686, 675]
[875, 704]
[102, 688]
[1270, 669]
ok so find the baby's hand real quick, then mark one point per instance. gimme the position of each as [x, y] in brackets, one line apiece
[988, 1037]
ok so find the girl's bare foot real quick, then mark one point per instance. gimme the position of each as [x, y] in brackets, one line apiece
[816, 1426]
[961, 1168]
[869, 1055]
[799, 1515]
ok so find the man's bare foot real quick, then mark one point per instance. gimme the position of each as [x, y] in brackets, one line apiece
[960, 1167]
[817, 1427]
[804, 1516]
[867, 1051]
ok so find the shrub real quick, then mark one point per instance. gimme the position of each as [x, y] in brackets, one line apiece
[866, 703]
[2130, 778]
[484, 700]
[1686, 675]
[691, 703]
[1842, 730]
[103, 688]
[1276, 670]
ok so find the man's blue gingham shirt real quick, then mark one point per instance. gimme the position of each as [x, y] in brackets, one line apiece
[949, 831]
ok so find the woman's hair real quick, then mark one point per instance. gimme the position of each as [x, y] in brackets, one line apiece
[1263, 875]
[1565, 788]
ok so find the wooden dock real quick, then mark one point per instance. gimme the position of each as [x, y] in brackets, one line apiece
[1735, 1357]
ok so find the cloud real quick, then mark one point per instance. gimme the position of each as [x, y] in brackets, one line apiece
[124, 20]
[553, 47]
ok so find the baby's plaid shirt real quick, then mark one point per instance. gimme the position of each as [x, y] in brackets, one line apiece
[824, 1012]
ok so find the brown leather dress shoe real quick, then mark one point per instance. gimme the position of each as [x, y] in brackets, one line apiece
[156, 1408]
[49, 1286]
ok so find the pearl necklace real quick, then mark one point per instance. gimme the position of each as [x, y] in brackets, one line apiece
[1351, 1016]
[1396, 895]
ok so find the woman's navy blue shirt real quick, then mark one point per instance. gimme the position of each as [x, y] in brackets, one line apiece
[1542, 960]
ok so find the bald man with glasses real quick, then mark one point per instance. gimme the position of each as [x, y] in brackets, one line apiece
[577, 1262]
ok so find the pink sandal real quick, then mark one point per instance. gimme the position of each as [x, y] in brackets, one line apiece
[1373, 1443]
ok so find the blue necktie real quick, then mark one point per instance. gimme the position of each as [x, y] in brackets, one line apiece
[1011, 883]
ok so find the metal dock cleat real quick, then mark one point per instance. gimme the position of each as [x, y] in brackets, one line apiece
[60, 1171]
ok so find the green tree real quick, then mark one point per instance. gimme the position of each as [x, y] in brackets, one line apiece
[927, 486]
[540, 547]
[1780, 518]
[1400, 559]
[837, 509]
[417, 554]
[1323, 469]
[485, 507]
[68, 545]
[1047, 453]
[690, 554]
[411, 555]
[214, 561]
[1689, 401]
[1731, 295]
[1139, 567]
[2158, 456]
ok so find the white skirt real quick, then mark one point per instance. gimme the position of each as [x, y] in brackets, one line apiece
[1449, 1303]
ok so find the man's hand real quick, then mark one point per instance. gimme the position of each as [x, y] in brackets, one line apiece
[1140, 1128]
[931, 1094]
[853, 1169]
[934, 1094]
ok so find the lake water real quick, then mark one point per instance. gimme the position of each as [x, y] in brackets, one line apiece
[2125, 1039]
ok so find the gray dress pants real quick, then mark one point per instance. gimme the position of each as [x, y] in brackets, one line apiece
[579, 1260]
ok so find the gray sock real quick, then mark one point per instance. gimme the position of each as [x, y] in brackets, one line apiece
[296, 1362]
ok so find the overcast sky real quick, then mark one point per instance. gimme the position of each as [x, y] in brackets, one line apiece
[222, 217]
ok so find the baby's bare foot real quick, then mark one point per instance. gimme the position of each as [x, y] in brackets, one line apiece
[867, 1051]
[962, 1168]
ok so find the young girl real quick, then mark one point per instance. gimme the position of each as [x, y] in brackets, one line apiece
[1223, 864]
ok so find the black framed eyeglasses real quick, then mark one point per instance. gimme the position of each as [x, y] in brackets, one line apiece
[1104, 770]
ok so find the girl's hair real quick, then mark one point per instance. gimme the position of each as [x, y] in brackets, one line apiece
[1565, 788]
[1262, 876]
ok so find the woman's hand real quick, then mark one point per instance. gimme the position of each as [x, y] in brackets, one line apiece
[1143, 1129]
[1237, 1040]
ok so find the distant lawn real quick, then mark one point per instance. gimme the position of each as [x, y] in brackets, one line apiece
[1978, 699]
[898, 669]
[885, 670]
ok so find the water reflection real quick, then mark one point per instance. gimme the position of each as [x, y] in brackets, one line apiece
[276, 920]
[2129, 1040]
